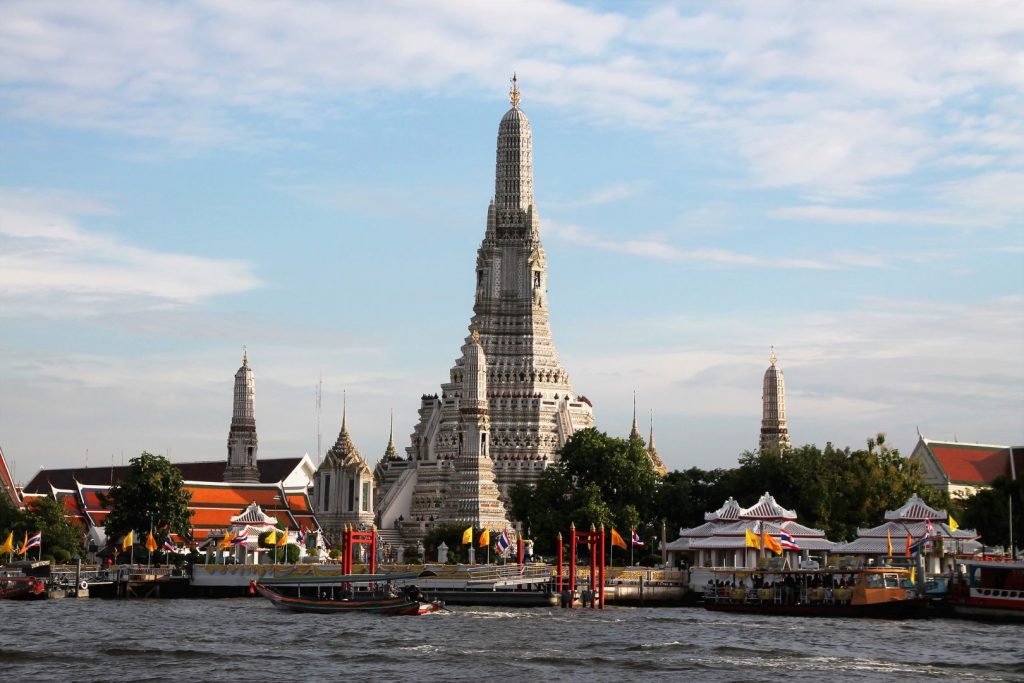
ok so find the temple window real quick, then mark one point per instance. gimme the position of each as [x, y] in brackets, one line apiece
[366, 497]
[326, 500]
[351, 495]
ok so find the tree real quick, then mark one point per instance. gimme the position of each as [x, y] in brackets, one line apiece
[988, 511]
[597, 480]
[62, 540]
[151, 495]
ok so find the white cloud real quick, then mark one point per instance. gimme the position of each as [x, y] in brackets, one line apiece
[831, 98]
[50, 263]
[661, 250]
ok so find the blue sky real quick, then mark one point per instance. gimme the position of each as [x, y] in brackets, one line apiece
[844, 181]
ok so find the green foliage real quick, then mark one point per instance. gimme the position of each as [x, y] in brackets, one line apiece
[599, 480]
[62, 540]
[988, 511]
[150, 496]
[836, 490]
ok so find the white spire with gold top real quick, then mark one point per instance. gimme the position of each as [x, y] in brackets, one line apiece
[242, 441]
[774, 431]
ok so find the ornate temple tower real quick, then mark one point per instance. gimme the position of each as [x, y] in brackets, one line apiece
[652, 451]
[343, 487]
[242, 441]
[532, 408]
[474, 493]
[774, 432]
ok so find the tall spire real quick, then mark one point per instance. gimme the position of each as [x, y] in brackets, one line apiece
[513, 183]
[344, 411]
[242, 440]
[391, 453]
[634, 432]
[650, 441]
[774, 430]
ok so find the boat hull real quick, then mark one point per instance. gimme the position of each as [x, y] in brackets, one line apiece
[895, 609]
[400, 606]
[22, 589]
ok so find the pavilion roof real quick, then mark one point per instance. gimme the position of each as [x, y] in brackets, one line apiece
[916, 509]
[729, 511]
[767, 508]
[255, 516]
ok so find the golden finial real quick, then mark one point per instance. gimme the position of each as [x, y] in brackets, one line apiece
[772, 357]
[245, 355]
[513, 93]
[474, 336]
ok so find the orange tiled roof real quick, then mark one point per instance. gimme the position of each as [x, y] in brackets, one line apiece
[298, 502]
[971, 463]
[237, 496]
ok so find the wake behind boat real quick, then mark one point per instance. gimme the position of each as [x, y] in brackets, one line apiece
[373, 593]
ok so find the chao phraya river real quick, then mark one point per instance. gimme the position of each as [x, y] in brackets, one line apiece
[247, 639]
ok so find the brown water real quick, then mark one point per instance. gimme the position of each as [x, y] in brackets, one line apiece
[191, 640]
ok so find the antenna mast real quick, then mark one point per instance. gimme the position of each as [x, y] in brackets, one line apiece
[319, 401]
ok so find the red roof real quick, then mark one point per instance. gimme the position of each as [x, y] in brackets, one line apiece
[7, 483]
[972, 463]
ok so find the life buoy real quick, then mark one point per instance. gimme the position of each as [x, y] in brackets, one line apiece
[84, 585]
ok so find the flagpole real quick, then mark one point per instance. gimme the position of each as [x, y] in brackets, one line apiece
[631, 544]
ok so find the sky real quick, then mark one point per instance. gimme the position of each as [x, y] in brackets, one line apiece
[843, 182]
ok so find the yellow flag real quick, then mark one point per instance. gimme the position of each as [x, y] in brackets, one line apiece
[128, 541]
[150, 543]
[283, 538]
[618, 540]
[271, 537]
[752, 541]
[953, 526]
[888, 538]
[485, 538]
[225, 542]
[769, 543]
[467, 536]
[8, 546]
[24, 545]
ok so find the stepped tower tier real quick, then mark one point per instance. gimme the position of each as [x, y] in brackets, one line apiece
[532, 408]
[242, 441]
[774, 432]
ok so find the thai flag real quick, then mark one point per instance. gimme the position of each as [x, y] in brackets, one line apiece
[241, 538]
[786, 541]
[169, 545]
[301, 537]
[636, 538]
[35, 541]
[503, 542]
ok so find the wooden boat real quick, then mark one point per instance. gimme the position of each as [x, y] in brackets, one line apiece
[988, 590]
[22, 588]
[374, 593]
[871, 592]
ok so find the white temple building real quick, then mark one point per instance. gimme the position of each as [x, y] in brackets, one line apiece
[774, 431]
[514, 424]
[721, 540]
[343, 490]
[913, 519]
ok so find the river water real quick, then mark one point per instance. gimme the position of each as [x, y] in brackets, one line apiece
[191, 640]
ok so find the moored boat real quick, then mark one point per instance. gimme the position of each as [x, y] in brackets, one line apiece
[372, 593]
[22, 588]
[988, 590]
[871, 592]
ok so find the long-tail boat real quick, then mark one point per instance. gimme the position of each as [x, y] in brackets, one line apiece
[871, 592]
[373, 593]
[22, 588]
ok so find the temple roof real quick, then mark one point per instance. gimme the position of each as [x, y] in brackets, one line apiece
[271, 471]
[344, 453]
[730, 511]
[915, 509]
[254, 516]
[767, 508]
[975, 463]
[7, 486]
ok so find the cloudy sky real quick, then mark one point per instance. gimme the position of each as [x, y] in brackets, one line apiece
[844, 181]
